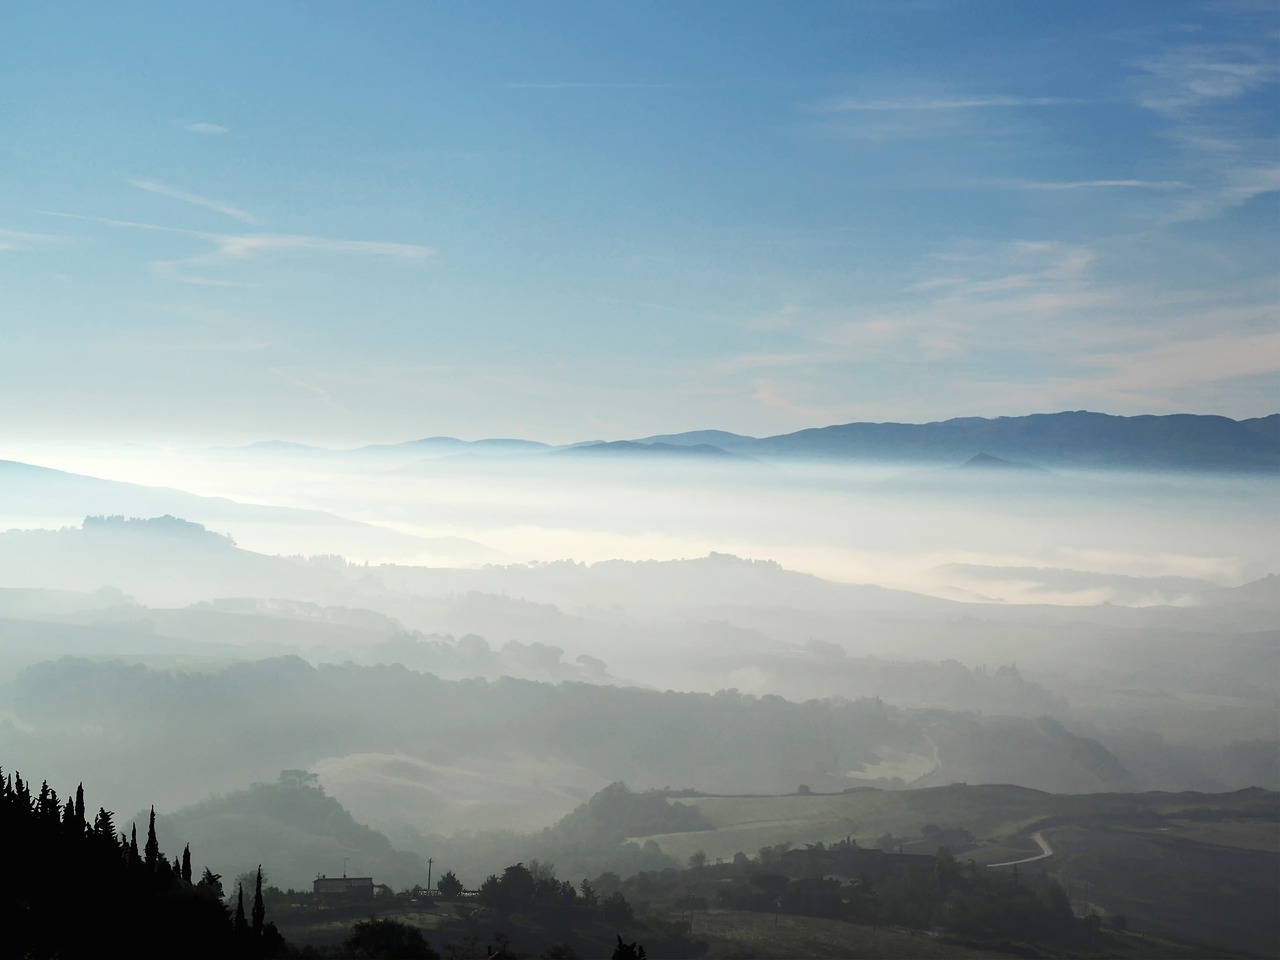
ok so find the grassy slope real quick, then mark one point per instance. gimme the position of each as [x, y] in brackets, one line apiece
[296, 833]
[1210, 881]
[732, 933]
[993, 813]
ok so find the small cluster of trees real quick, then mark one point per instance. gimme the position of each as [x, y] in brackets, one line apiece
[921, 892]
[536, 887]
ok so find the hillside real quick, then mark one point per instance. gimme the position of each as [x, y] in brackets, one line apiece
[56, 496]
[292, 827]
[1195, 867]
[111, 720]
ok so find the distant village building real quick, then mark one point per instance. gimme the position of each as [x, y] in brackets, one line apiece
[343, 888]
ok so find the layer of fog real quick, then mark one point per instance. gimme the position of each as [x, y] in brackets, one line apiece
[962, 534]
[1115, 594]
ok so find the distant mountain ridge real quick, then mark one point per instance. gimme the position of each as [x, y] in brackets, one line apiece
[1078, 438]
[630, 448]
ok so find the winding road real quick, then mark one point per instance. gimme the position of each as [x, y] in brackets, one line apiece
[1046, 852]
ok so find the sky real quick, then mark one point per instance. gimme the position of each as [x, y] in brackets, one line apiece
[344, 223]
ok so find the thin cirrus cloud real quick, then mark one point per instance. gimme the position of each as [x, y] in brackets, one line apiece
[886, 119]
[1194, 88]
[918, 104]
[173, 193]
[1187, 78]
[207, 129]
[229, 249]
[1104, 185]
[232, 249]
[591, 85]
[12, 241]
[1151, 376]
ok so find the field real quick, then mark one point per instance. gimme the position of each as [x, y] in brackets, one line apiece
[999, 817]
[745, 824]
[1198, 868]
[733, 933]
[1168, 885]
[1244, 834]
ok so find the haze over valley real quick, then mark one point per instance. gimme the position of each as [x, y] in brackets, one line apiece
[1053, 609]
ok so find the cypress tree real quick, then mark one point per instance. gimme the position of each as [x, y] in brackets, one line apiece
[52, 808]
[133, 846]
[80, 806]
[259, 908]
[240, 923]
[153, 846]
[186, 863]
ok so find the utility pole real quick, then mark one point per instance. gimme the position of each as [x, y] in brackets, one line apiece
[429, 862]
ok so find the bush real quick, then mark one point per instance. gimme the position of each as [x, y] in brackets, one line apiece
[374, 938]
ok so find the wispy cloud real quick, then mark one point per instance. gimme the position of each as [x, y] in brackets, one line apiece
[1225, 356]
[324, 395]
[1148, 376]
[590, 85]
[231, 249]
[1187, 78]
[219, 206]
[12, 241]
[915, 104]
[1030, 325]
[1209, 95]
[927, 114]
[1235, 187]
[1104, 185]
[208, 129]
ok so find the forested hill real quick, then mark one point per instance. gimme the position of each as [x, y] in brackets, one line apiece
[293, 827]
[112, 717]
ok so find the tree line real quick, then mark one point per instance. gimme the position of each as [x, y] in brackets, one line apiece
[76, 887]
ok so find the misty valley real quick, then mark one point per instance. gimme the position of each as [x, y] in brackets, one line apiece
[976, 688]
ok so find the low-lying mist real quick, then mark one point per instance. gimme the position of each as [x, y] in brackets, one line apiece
[961, 530]
[481, 639]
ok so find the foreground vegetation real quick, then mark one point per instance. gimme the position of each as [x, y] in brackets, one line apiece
[153, 904]
[1181, 873]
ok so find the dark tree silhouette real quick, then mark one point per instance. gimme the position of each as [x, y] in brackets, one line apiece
[374, 938]
[48, 845]
[259, 909]
[450, 886]
[628, 951]
[212, 882]
[153, 846]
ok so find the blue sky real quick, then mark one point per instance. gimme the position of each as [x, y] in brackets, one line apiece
[356, 222]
